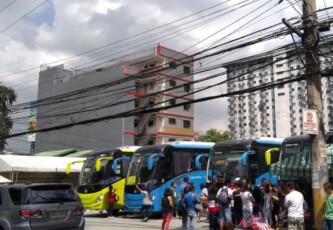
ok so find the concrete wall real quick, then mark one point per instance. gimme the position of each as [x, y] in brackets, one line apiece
[88, 101]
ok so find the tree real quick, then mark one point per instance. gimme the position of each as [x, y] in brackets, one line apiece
[7, 98]
[213, 135]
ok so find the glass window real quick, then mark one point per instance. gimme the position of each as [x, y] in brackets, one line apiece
[172, 121]
[187, 70]
[172, 102]
[187, 107]
[172, 83]
[187, 88]
[187, 124]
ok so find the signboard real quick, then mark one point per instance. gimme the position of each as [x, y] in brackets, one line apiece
[310, 122]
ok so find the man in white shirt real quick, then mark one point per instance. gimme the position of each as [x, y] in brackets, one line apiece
[294, 204]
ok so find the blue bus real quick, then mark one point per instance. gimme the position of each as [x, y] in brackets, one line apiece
[156, 166]
[244, 158]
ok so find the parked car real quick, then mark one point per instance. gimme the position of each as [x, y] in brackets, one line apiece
[40, 206]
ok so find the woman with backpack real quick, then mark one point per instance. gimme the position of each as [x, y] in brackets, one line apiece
[167, 208]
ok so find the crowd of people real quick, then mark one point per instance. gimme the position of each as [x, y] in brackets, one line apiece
[238, 205]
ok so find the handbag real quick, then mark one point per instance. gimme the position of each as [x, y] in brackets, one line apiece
[199, 207]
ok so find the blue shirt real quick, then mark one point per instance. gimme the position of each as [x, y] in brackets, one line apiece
[189, 201]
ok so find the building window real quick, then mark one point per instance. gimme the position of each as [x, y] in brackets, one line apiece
[172, 83]
[187, 124]
[172, 102]
[172, 121]
[279, 65]
[136, 123]
[187, 107]
[151, 86]
[187, 70]
[279, 73]
[173, 65]
[280, 94]
[280, 86]
[187, 88]
[136, 103]
[151, 123]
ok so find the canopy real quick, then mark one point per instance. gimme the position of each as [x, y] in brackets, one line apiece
[299, 165]
[83, 153]
[4, 179]
[54, 153]
[18, 163]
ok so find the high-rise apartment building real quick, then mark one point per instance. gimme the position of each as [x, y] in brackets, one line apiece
[154, 78]
[274, 112]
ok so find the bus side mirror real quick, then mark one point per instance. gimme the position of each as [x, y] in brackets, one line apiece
[245, 157]
[268, 155]
[98, 165]
[151, 160]
[197, 160]
[115, 162]
[68, 168]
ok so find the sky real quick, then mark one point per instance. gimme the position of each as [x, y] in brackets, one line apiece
[81, 33]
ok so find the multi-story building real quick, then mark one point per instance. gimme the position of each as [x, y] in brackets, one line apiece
[153, 79]
[275, 112]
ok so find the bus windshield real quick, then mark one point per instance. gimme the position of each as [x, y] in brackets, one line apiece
[139, 170]
[90, 176]
[227, 164]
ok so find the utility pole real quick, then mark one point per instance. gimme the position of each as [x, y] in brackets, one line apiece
[310, 40]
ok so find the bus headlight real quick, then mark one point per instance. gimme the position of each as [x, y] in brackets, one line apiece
[99, 199]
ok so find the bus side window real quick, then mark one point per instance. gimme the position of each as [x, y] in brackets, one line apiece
[179, 162]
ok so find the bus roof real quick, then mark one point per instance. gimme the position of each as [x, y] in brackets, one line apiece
[187, 144]
[246, 143]
[128, 149]
[297, 139]
[56, 153]
[178, 144]
[109, 152]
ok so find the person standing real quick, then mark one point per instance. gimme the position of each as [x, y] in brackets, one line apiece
[167, 208]
[247, 201]
[183, 191]
[188, 202]
[237, 208]
[328, 225]
[146, 203]
[224, 197]
[268, 203]
[112, 197]
[204, 199]
[213, 208]
[294, 204]
[174, 199]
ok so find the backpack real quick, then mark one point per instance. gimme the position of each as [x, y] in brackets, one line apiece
[223, 197]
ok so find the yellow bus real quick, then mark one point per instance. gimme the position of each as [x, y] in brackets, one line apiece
[100, 170]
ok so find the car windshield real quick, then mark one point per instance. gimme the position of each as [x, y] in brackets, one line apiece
[51, 194]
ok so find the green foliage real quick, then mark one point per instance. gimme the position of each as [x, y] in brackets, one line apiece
[7, 98]
[213, 135]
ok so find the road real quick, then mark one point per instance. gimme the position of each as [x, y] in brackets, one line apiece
[96, 221]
